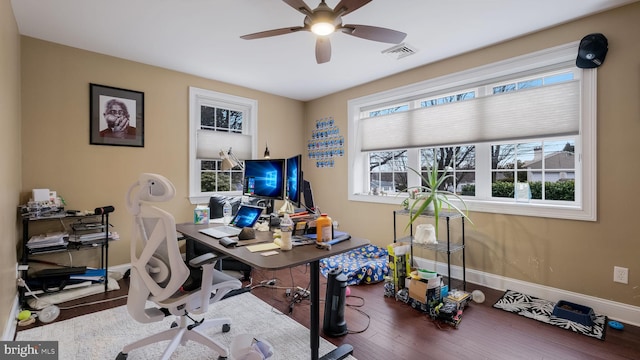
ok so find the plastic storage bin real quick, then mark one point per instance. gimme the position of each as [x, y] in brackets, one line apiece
[577, 313]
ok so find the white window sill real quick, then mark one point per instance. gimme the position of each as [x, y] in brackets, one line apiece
[559, 211]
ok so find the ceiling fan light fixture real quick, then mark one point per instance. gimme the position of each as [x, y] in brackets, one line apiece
[324, 20]
[323, 28]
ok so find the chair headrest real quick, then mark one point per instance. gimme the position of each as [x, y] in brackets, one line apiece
[152, 188]
[156, 188]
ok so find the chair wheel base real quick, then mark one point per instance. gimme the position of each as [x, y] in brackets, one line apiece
[122, 356]
[226, 328]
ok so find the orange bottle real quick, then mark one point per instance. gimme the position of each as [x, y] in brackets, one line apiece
[324, 228]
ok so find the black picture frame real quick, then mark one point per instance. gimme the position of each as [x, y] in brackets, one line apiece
[116, 116]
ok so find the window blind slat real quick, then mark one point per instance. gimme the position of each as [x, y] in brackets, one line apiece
[538, 112]
[209, 143]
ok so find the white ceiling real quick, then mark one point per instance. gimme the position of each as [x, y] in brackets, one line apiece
[202, 37]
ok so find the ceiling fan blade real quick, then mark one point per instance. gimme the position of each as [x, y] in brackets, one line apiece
[274, 32]
[323, 49]
[374, 33]
[300, 6]
[346, 6]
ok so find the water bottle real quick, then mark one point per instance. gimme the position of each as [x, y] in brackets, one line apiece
[286, 228]
[226, 212]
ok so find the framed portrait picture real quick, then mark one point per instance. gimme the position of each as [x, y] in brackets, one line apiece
[116, 116]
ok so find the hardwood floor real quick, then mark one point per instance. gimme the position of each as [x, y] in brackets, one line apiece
[383, 328]
[396, 331]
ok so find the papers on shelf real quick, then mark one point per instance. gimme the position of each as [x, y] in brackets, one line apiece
[84, 226]
[91, 238]
[48, 240]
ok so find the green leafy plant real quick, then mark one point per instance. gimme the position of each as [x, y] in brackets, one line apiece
[431, 197]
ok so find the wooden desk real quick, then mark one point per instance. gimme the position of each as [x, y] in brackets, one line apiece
[298, 256]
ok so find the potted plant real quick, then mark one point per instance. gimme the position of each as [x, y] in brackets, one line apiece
[411, 199]
[430, 197]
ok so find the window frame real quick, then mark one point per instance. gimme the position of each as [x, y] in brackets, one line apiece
[546, 60]
[197, 98]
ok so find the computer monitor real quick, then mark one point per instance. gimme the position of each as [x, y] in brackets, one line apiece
[264, 178]
[294, 180]
[308, 195]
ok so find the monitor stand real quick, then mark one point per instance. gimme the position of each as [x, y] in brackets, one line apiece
[287, 208]
[268, 205]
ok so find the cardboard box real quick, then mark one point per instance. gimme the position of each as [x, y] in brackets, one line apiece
[427, 294]
[399, 263]
[418, 290]
[459, 298]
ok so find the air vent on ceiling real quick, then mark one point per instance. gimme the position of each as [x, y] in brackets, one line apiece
[399, 51]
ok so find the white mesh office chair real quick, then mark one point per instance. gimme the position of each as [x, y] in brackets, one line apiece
[159, 275]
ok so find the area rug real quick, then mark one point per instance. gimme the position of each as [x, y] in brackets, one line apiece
[542, 310]
[102, 335]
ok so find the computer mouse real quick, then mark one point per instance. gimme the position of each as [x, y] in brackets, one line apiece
[228, 242]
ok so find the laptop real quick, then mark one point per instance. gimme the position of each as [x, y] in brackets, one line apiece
[247, 216]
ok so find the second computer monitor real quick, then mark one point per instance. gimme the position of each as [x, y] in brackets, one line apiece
[294, 179]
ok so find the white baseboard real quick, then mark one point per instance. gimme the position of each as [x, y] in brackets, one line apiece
[11, 325]
[625, 313]
[121, 269]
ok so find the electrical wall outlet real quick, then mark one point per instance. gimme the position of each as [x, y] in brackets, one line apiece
[620, 275]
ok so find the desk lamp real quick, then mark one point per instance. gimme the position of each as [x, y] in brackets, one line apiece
[229, 160]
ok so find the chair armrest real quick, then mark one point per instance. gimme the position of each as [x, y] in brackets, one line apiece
[214, 283]
[204, 259]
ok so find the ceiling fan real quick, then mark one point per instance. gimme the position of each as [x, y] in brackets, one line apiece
[324, 21]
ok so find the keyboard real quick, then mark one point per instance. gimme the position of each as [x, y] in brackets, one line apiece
[221, 231]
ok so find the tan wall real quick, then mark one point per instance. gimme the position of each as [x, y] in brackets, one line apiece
[573, 255]
[57, 153]
[10, 155]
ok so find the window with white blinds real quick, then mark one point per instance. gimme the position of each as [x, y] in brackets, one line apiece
[527, 119]
[218, 123]
[537, 112]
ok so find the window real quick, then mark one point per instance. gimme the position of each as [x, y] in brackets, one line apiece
[523, 124]
[460, 162]
[547, 167]
[218, 123]
[388, 172]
